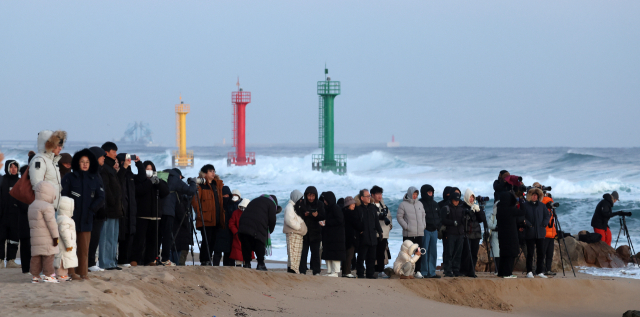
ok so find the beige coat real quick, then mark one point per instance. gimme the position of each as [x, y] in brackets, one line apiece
[42, 220]
[406, 255]
[67, 231]
[292, 222]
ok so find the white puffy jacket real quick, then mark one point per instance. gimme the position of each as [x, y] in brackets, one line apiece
[406, 255]
[67, 230]
[44, 165]
[292, 222]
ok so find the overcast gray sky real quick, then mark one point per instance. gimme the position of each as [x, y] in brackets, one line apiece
[448, 73]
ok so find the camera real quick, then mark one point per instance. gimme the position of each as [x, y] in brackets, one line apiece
[545, 188]
[552, 205]
[132, 157]
[482, 199]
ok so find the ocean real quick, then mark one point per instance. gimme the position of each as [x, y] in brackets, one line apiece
[579, 177]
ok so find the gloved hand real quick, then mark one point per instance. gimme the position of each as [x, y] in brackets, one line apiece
[475, 208]
[55, 242]
[387, 221]
[154, 180]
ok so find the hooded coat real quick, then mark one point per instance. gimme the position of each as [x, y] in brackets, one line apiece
[351, 224]
[67, 232]
[44, 165]
[455, 217]
[406, 255]
[333, 246]
[432, 219]
[176, 188]
[293, 223]
[259, 218]
[86, 190]
[42, 220]
[507, 225]
[476, 216]
[10, 208]
[223, 236]
[314, 230]
[149, 195]
[411, 215]
[551, 226]
[129, 205]
[445, 199]
[603, 213]
[536, 216]
[499, 187]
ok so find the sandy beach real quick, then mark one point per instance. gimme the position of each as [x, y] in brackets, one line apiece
[228, 291]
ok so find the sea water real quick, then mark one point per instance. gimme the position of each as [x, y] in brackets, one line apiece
[579, 177]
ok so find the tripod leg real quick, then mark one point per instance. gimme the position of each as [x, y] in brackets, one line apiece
[621, 227]
[473, 267]
[194, 232]
[204, 231]
[561, 258]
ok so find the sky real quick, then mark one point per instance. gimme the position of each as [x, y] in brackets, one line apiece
[432, 73]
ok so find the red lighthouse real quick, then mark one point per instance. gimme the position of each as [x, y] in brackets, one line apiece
[240, 157]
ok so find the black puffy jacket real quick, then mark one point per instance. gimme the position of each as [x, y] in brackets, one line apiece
[10, 207]
[112, 182]
[314, 230]
[455, 217]
[369, 224]
[259, 218]
[499, 187]
[333, 245]
[149, 196]
[431, 209]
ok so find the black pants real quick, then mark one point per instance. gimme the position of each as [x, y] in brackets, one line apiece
[9, 233]
[315, 255]
[95, 240]
[25, 254]
[226, 261]
[466, 266]
[381, 251]
[535, 245]
[166, 234]
[453, 254]
[506, 266]
[548, 253]
[250, 244]
[418, 241]
[346, 264]
[366, 253]
[124, 250]
[212, 233]
[144, 242]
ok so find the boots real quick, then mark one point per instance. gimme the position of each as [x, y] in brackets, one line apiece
[11, 264]
[247, 265]
[261, 267]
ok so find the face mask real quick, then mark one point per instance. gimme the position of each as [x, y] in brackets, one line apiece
[235, 198]
[149, 173]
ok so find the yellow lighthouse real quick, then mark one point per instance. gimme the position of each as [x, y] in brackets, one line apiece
[182, 157]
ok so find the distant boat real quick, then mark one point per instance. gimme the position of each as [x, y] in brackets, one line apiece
[393, 142]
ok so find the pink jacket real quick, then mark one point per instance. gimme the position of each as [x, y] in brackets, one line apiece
[42, 220]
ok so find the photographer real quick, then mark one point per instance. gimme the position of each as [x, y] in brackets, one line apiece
[212, 216]
[411, 217]
[536, 220]
[550, 237]
[127, 224]
[471, 245]
[600, 220]
[500, 185]
[506, 215]
[454, 219]
[312, 211]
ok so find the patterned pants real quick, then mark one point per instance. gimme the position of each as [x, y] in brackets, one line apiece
[294, 251]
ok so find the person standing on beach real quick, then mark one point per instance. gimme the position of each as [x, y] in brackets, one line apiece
[10, 209]
[212, 219]
[44, 165]
[454, 220]
[500, 185]
[536, 220]
[382, 252]
[312, 211]
[127, 228]
[351, 224]
[234, 225]
[295, 229]
[222, 247]
[64, 165]
[471, 245]
[99, 217]
[430, 238]
[507, 222]
[85, 187]
[411, 217]
[370, 234]
[333, 248]
[600, 219]
[44, 232]
[112, 175]
[257, 222]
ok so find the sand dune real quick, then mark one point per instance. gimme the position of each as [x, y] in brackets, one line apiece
[224, 291]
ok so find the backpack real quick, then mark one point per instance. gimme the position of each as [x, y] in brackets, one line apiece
[590, 237]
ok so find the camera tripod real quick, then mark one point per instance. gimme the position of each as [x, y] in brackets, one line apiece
[623, 226]
[193, 231]
[559, 230]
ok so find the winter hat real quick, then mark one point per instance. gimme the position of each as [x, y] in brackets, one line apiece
[177, 170]
[615, 196]
[376, 189]
[31, 155]
[454, 196]
[244, 203]
[275, 200]
[236, 195]
[295, 195]
[97, 151]
[66, 158]
[348, 201]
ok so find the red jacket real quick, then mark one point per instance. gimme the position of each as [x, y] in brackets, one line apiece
[236, 247]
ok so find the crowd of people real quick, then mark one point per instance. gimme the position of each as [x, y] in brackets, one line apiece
[71, 214]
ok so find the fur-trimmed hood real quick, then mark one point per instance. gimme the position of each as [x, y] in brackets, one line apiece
[535, 191]
[93, 162]
[48, 140]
